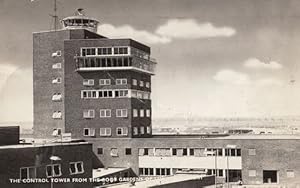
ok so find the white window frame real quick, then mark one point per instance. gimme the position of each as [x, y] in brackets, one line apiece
[148, 113]
[142, 113]
[57, 97]
[142, 130]
[27, 172]
[124, 131]
[106, 130]
[141, 83]
[105, 82]
[90, 133]
[147, 84]
[76, 169]
[135, 113]
[88, 82]
[135, 131]
[121, 113]
[88, 113]
[57, 115]
[134, 82]
[53, 171]
[56, 66]
[105, 111]
[121, 81]
[148, 129]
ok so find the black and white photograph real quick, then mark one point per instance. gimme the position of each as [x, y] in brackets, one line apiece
[149, 93]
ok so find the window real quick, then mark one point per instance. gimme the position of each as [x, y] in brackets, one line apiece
[114, 152]
[146, 95]
[148, 113]
[134, 82]
[252, 151]
[148, 130]
[76, 168]
[88, 113]
[121, 93]
[56, 132]
[88, 51]
[88, 132]
[56, 66]
[89, 94]
[27, 172]
[122, 131]
[142, 113]
[135, 113]
[57, 115]
[56, 97]
[141, 84]
[127, 151]
[133, 93]
[105, 93]
[135, 131]
[191, 152]
[100, 151]
[53, 170]
[238, 152]
[252, 173]
[104, 82]
[184, 152]
[139, 94]
[105, 113]
[104, 51]
[121, 50]
[122, 81]
[121, 112]
[56, 80]
[147, 84]
[56, 54]
[88, 82]
[105, 131]
[270, 176]
[290, 173]
[142, 129]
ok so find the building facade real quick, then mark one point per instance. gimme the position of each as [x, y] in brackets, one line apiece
[90, 86]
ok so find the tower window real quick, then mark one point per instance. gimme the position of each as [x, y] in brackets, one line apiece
[88, 132]
[147, 84]
[121, 112]
[148, 113]
[56, 115]
[76, 168]
[27, 172]
[135, 113]
[89, 113]
[88, 82]
[104, 82]
[114, 152]
[105, 113]
[148, 129]
[135, 131]
[56, 66]
[142, 130]
[122, 81]
[56, 97]
[141, 83]
[53, 170]
[142, 113]
[122, 131]
[134, 82]
[56, 80]
[105, 131]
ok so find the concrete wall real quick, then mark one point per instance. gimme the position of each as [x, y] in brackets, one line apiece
[13, 158]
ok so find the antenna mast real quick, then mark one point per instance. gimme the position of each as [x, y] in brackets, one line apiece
[54, 16]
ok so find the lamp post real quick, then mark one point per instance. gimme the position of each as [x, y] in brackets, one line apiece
[215, 154]
[227, 148]
[53, 158]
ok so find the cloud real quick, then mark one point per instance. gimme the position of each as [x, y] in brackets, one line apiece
[232, 77]
[5, 71]
[190, 29]
[257, 64]
[127, 31]
[165, 33]
[269, 82]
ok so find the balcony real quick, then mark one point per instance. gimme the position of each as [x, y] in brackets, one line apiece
[111, 63]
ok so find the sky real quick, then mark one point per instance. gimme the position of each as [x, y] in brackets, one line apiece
[229, 58]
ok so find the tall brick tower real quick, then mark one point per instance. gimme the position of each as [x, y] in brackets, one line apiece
[88, 85]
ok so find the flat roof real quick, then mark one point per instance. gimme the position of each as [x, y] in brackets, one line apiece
[155, 181]
[34, 145]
